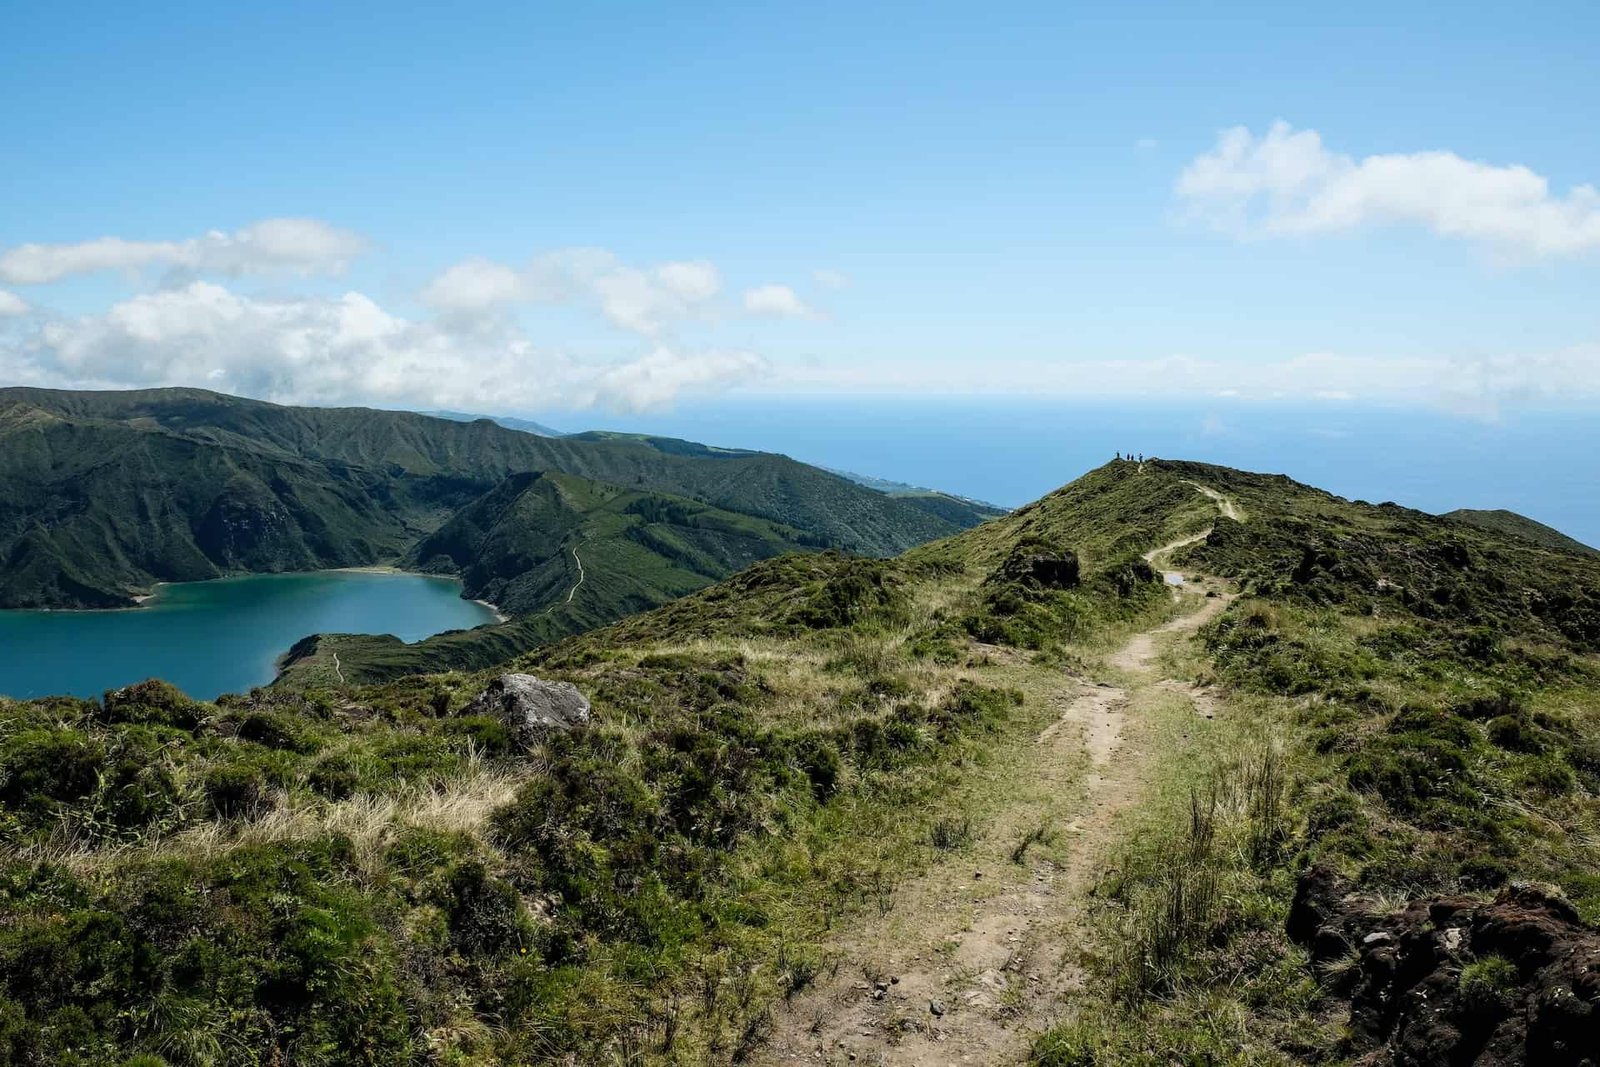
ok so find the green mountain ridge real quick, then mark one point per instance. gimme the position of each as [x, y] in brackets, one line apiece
[509, 422]
[115, 491]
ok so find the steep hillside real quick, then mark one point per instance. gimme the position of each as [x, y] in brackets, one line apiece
[98, 512]
[114, 491]
[515, 546]
[1509, 522]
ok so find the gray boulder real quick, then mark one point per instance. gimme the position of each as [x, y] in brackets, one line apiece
[532, 707]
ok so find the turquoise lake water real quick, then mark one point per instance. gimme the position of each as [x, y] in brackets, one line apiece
[222, 636]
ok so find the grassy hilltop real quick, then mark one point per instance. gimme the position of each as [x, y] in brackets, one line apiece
[367, 873]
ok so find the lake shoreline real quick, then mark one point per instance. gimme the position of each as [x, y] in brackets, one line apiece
[225, 635]
[140, 600]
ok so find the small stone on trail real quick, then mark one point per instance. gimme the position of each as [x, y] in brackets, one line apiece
[936, 1007]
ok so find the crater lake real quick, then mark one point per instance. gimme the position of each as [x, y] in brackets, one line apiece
[222, 636]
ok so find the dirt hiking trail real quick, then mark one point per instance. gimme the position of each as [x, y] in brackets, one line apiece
[981, 952]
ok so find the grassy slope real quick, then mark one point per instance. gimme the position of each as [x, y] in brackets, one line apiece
[118, 490]
[366, 872]
[1509, 522]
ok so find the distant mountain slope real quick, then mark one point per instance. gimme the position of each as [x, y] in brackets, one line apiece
[563, 555]
[514, 546]
[1509, 522]
[510, 423]
[114, 491]
[894, 488]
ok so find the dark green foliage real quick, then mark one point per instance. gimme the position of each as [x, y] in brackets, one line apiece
[857, 592]
[1020, 609]
[277, 730]
[43, 768]
[485, 913]
[236, 790]
[294, 962]
[1421, 764]
[154, 702]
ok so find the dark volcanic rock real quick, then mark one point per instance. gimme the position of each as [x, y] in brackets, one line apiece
[1036, 563]
[532, 707]
[1456, 980]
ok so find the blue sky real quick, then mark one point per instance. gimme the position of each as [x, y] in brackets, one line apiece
[614, 208]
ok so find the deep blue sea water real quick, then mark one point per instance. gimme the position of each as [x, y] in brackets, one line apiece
[1545, 465]
[218, 637]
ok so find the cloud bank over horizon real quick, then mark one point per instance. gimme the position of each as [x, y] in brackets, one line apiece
[301, 246]
[1287, 183]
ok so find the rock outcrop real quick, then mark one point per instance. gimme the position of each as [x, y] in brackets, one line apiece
[1453, 979]
[532, 707]
[1038, 564]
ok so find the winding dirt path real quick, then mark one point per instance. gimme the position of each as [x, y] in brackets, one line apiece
[1228, 508]
[981, 953]
[574, 590]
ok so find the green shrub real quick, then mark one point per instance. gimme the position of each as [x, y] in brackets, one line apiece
[153, 702]
[486, 733]
[1489, 986]
[277, 730]
[1424, 758]
[485, 913]
[236, 790]
[41, 769]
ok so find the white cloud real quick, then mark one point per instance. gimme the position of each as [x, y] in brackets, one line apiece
[1483, 386]
[831, 279]
[642, 300]
[1286, 182]
[11, 305]
[776, 300]
[342, 350]
[647, 301]
[473, 285]
[304, 246]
